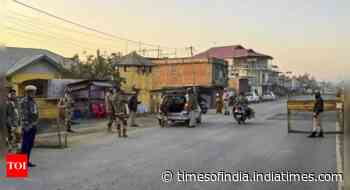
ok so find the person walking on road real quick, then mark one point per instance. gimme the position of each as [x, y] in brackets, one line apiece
[67, 104]
[29, 121]
[226, 98]
[192, 106]
[12, 122]
[219, 103]
[109, 109]
[317, 110]
[119, 106]
[132, 104]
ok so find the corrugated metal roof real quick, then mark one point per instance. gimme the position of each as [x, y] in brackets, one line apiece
[25, 61]
[235, 51]
[134, 59]
[9, 56]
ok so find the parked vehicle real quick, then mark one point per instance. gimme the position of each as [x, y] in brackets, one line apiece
[270, 96]
[267, 97]
[274, 97]
[173, 110]
[252, 97]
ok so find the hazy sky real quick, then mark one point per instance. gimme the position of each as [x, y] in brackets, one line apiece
[302, 36]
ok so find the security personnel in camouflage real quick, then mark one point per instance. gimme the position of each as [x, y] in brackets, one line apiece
[242, 100]
[29, 121]
[12, 122]
[109, 109]
[192, 106]
[119, 110]
[67, 104]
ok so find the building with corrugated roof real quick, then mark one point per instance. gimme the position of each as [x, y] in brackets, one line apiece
[137, 71]
[26, 66]
[243, 63]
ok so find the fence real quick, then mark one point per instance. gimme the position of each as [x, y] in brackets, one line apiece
[335, 105]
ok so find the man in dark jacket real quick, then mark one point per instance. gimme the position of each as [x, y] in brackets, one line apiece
[133, 102]
[317, 110]
[29, 117]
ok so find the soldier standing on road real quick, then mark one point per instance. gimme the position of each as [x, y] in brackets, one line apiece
[163, 110]
[226, 98]
[192, 106]
[133, 102]
[317, 110]
[119, 105]
[12, 122]
[109, 109]
[219, 103]
[67, 103]
[29, 121]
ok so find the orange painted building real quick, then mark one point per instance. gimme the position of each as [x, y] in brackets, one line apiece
[208, 75]
[153, 76]
[180, 72]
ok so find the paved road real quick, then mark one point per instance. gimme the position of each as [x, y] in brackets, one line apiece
[103, 162]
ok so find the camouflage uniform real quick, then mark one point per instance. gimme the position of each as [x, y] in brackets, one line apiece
[12, 123]
[29, 121]
[192, 108]
[109, 109]
[241, 100]
[119, 110]
[67, 103]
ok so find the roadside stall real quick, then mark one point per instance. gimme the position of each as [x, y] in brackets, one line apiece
[89, 97]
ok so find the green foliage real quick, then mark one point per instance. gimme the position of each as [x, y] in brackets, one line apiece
[96, 68]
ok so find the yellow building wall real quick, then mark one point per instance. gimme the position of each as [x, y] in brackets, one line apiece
[142, 81]
[17, 79]
[47, 108]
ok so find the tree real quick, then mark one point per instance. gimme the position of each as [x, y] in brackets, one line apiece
[96, 68]
[308, 81]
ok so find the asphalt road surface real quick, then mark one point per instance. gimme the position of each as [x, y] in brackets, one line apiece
[104, 162]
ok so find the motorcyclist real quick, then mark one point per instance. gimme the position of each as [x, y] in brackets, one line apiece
[242, 100]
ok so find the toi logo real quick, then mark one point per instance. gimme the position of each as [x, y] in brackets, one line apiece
[16, 165]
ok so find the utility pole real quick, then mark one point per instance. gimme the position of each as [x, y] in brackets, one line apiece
[158, 51]
[126, 47]
[98, 56]
[191, 48]
[140, 48]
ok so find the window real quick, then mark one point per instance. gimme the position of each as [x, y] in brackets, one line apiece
[173, 69]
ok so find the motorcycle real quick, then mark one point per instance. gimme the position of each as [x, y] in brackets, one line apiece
[241, 114]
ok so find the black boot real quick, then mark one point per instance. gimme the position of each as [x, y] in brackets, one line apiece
[69, 128]
[312, 135]
[320, 134]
